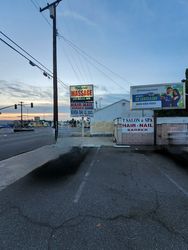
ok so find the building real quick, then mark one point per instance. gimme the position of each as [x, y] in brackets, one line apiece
[103, 121]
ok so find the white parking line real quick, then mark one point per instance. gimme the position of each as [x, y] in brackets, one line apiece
[176, 184]
[82, 185]
[79, 192]
[170, 179]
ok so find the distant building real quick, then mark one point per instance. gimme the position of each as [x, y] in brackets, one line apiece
[37, 118]
[103, 121]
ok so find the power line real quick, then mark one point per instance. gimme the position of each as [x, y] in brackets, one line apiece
[21, 48]
[82, 72]
[10, 46]
[69, 60]
[50, 74]
[81, 65]
[86, 56]
[93, 59]
[37, 6]
[101, 71]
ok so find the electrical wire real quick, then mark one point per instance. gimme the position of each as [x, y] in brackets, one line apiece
[21, 48]
[81, 65]
[81, 73]
[73, 69]
[49, 73]
[93, 59]
[86, 56]
[37, 6]
[101, 71]
[10, 46]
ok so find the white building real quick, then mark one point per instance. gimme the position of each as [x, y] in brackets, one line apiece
[103, 121]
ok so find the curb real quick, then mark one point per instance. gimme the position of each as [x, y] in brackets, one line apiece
[14, 168]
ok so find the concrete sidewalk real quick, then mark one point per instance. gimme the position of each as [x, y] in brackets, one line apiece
[95, 141]
[16, 167]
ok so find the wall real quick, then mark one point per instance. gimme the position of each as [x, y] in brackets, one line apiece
[130, 131]
[172, 130]
[103, 121]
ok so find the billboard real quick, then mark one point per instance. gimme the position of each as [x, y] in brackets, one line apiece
[81, 100]
[158, 96]
[138, 125]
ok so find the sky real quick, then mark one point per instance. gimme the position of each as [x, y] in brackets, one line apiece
[141, 41]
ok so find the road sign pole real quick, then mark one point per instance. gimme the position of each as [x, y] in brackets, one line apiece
[21, 104]
[82, 126]
[155, 128]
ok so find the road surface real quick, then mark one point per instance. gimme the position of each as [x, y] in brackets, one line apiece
[12, 144]
[118, 199]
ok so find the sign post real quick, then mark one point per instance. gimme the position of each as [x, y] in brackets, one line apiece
[82, 126]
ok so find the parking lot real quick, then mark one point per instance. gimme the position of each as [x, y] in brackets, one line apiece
[119, 198]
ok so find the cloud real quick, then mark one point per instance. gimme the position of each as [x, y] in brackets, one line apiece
[14, 92]
[19, 91]
[79, 17]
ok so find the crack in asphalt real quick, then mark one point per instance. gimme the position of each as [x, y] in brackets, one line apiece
[138, 214]
[80, 218]
[45, 224]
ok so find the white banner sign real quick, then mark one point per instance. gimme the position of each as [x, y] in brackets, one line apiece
[137, 125]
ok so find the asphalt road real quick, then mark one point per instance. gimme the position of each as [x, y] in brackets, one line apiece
[118, 199]
[12, 144]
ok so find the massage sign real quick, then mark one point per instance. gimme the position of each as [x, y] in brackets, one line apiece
[81, 100]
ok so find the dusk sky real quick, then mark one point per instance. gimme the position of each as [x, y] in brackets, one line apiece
[144, 41]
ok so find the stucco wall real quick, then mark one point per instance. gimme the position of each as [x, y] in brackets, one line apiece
[102, 127]
[132, 138]
[103, 120]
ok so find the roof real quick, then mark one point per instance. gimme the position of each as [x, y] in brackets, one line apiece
[122, 100]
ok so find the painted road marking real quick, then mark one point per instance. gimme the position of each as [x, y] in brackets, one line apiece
[176, 184]
[79, 192]
[170, 179]
[82, 185]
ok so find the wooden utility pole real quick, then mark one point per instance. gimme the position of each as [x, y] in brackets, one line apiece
[52, 8]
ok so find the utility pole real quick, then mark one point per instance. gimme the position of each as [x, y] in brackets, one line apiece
[186, 89]
[21, 104]
[52, 8]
